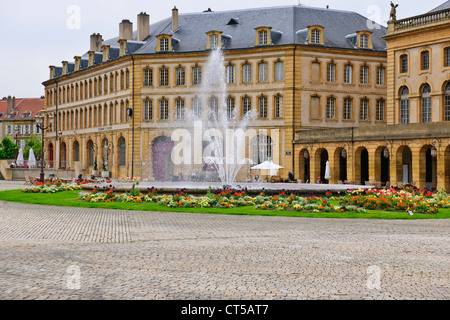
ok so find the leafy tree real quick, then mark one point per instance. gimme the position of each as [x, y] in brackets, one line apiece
[34, 143]
[7, 149]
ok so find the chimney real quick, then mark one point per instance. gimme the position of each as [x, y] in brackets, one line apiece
[126, 30]
[96, 42]
[13, 105]
[174, 19]
[143, 26]
[9, 108]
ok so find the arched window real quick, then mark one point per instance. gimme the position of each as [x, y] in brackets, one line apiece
[261, 149]
[404, 105]
[122, 152]
[76, 151]
[447, 102]
[91, 151]
[426, 103]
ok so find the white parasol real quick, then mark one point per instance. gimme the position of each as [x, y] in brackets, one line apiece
[31, 159]
[20, 157]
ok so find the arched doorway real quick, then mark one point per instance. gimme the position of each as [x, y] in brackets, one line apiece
[382, 162]
[304, 166]
[404, 165]
[62, 156]
[321, 158]
[428, 168]
[50, 155]
[361, 165]
[162, 158]
[340, 167]
[447, 168]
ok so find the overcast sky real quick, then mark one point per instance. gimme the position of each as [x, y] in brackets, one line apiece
[37, 34]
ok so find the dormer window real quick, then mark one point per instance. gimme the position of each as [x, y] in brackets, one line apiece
[364, 40]
[77, 63]
[315, 34]
[105, 53]
[91, 58]
[263, 36]
[123, 47]
[214, 40]
[164, 43]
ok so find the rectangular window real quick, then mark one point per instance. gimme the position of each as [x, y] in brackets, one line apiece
[278, 107]
[331, 72]
[315, 72]
[348, 74]
[262, 37]
[263, 107]
[347, 109]
[164, 110]
[404, 111]
[213, 41]
[364, 110]
[447, 57]
[315, 107]
[213, 75]
[213, 108]
[196, 76]
[230, 74]
[180, 77]
[380, 76]
[279, 70]
[164, 77]
[364, 41]
[380, 110]
[364, 75]
[315, 36]
[403, 63]
[331, 104]
[148, 77]
[425, 60]
[164, 44]
[262, 72]
[179, 110]
[197, 108]
[230, 108]
[247, 73]
[246, 105]
[148, 110]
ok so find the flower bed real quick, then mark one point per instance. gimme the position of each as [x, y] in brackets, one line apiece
[51, 187]
[353, 201]
[134, 179]
[409, 200]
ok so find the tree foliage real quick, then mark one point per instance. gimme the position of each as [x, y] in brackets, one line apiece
[7, 149]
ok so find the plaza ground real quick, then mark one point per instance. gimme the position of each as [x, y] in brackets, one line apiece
[151, 255]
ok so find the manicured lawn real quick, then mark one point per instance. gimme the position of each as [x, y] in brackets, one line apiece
[69, 198]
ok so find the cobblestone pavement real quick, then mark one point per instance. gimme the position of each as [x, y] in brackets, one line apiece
[71, 253]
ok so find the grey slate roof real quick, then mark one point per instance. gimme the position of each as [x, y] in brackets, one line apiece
[289, 26]
[445, 5]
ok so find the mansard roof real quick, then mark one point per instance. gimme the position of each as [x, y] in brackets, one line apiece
[287, 23]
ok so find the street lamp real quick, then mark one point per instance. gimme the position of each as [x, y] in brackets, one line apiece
[59, 136]
[15, 151]
[40, 125]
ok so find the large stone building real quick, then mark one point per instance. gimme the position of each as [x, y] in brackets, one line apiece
[414, 146]
[297, 67]
[18, 118]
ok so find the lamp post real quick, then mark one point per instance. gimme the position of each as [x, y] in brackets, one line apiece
[40, 125]
[59, 136]
[15, 151]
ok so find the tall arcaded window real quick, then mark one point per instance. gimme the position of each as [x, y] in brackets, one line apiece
[426, 104]
[447, 102]
[404, 105]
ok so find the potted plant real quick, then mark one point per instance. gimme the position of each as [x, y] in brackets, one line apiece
[95, 169]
